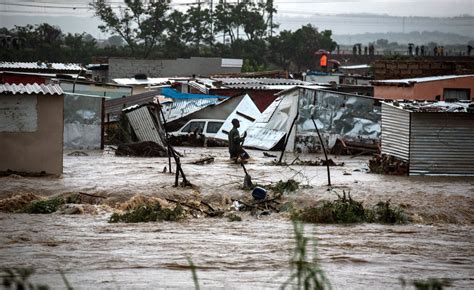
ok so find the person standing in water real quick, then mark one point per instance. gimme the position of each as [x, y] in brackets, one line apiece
[235, 143]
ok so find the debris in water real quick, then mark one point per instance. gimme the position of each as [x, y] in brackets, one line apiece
[78, 153]
[265, 154]
[386, 164]
[205, 160]
[142, 149]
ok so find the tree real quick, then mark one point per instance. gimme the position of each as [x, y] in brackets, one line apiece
[306, 41]
[115, 40]
[225, 20]
[200, 24]
[177, 34]
[141, 26]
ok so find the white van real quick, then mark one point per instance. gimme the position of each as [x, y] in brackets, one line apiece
[208, 127]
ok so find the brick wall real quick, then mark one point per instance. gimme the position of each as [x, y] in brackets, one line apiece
[399, 69]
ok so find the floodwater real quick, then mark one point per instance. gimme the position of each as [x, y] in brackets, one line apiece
[254, 253]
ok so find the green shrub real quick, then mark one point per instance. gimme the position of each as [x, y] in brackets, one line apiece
[346, 210]
[384, 212]
[342, 210]
[44, 206]
[234, 218]
[148, 213]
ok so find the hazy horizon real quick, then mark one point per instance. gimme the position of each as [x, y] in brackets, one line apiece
[340, 16]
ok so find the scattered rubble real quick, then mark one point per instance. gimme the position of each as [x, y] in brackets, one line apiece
[386, 164]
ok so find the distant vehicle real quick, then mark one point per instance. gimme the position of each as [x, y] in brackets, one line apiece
[207, 127]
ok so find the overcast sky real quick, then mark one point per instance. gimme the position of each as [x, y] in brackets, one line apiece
[22, 12]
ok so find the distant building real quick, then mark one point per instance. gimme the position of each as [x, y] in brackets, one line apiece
[441, 88]
[194, 66]
[31, 128]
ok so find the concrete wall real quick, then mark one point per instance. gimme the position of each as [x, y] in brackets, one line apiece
[41, 149]
[425, 90]
[199, 66]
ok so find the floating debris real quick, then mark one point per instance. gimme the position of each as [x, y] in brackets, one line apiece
[387, 164]
[142, 149]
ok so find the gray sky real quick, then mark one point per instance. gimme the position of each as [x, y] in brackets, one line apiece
[303, 7]
[22, 12]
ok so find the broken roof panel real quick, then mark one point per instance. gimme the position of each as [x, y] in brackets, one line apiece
[433, 107]
[38, 89]
[5, 65]
[182, 107]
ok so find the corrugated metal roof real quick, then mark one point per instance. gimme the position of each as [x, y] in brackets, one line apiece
[412, 81]
[41, 66]
[39, 89]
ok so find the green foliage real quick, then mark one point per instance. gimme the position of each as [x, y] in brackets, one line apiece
[148, 213]
[234, 218]
[140, 25]
[155, 30]
[305, 270]
[384, 212]
[44, 206]
[430, 284]
[285, 186]
[342, 210]
[346, 210]
[18, 278]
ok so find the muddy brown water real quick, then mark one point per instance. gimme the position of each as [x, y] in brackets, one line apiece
[253, 253]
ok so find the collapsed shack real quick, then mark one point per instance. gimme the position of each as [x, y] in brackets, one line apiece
[149, 126]
[289, 122]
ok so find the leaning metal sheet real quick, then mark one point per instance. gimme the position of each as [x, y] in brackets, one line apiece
[82, 122]
[144, 126]
[337, 115]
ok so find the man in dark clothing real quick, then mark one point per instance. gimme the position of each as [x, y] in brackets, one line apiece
[235, 142]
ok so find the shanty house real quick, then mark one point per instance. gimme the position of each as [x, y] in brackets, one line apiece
[433, 138]
[439, 88]
[31, 128]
